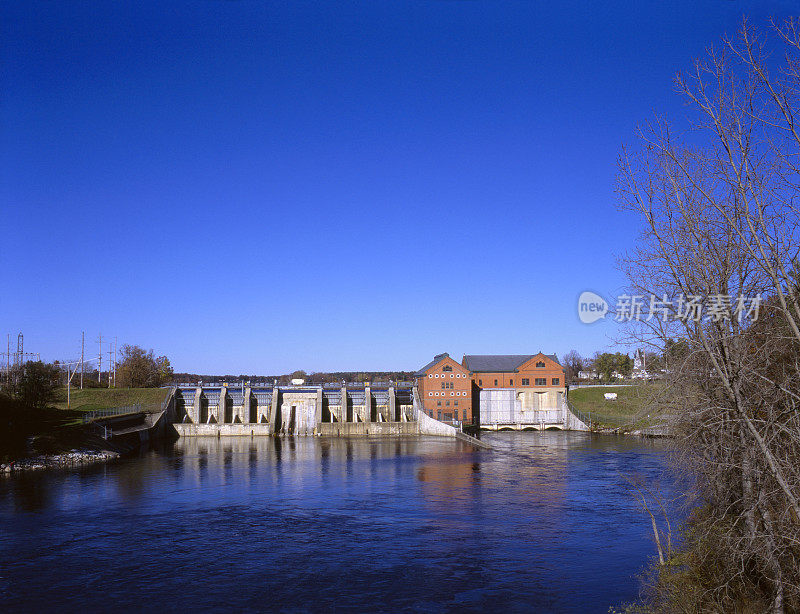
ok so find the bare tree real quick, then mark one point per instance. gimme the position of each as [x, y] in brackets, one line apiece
[573, 364]
[719, 205]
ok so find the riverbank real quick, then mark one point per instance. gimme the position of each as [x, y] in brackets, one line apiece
[67, 460]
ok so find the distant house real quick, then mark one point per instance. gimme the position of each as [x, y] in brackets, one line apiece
[587, 374]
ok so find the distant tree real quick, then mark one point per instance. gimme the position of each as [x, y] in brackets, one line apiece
[165, 371]
[624, 364]
[653, 362]
[573, 364]
[139, 368]
[675, 352]
[607, 364]
[37, 384]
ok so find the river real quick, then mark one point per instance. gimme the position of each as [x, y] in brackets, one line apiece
[540, 523]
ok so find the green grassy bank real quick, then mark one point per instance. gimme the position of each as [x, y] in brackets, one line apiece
[636, 405]
[102, 398]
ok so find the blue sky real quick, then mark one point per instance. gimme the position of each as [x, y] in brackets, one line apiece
[258, 187]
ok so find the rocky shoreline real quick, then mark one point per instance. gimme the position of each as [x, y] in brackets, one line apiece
[71, 459]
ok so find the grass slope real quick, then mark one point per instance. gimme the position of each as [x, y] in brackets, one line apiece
[633, 405]
[102, 398]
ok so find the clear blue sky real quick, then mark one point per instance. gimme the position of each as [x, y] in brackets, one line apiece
[257, 187]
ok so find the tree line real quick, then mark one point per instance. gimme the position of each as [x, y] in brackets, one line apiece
[314, 378]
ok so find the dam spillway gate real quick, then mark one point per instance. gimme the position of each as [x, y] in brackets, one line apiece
[360, 409]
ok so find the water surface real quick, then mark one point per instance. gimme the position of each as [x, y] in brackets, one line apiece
[541, 523]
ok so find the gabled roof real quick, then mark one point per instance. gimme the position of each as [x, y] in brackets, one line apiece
[437, 358]
[499, 363]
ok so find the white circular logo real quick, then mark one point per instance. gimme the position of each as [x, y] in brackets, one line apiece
[591, 307]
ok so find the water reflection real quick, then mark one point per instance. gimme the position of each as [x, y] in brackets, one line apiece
[540, 523]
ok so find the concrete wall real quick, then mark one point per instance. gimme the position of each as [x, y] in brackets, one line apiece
[380, 429]
[427, 425]
[538, 408]
[217, 430]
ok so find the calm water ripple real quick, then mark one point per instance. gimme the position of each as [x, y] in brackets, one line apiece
[541, 523]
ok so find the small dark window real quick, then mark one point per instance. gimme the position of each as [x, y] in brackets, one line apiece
[556, 381]
[438, 403]
[455, 412]
[480, 382]
[540, 365]
[442, 385]
[511, 382]
[447, 403]
[526, 381]
[495, 382]
[438, 415]
[447, 368]
[541, 381]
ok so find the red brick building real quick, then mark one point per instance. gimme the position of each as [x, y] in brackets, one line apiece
[451, 391]
[445, 388]
[515, 371]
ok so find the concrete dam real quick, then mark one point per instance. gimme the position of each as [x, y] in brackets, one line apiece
[329, 410]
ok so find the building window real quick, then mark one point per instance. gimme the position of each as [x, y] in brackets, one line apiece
[526, 381]
[447, 403]
[556, 381]
[430, 375]
[442, 385]
[438, 403]
[455, 403]
[495, 382]
[438, 415]
[540, 381]
[430, 394]
[511, 382]
[447, 368]
[455, 412]
[480, 382]
[451, 375]
[540, 365]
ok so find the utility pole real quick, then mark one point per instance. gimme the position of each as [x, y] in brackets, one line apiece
[115, 362]
[83, 334]
[110, 362]
[100, 359]
[8, 358]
